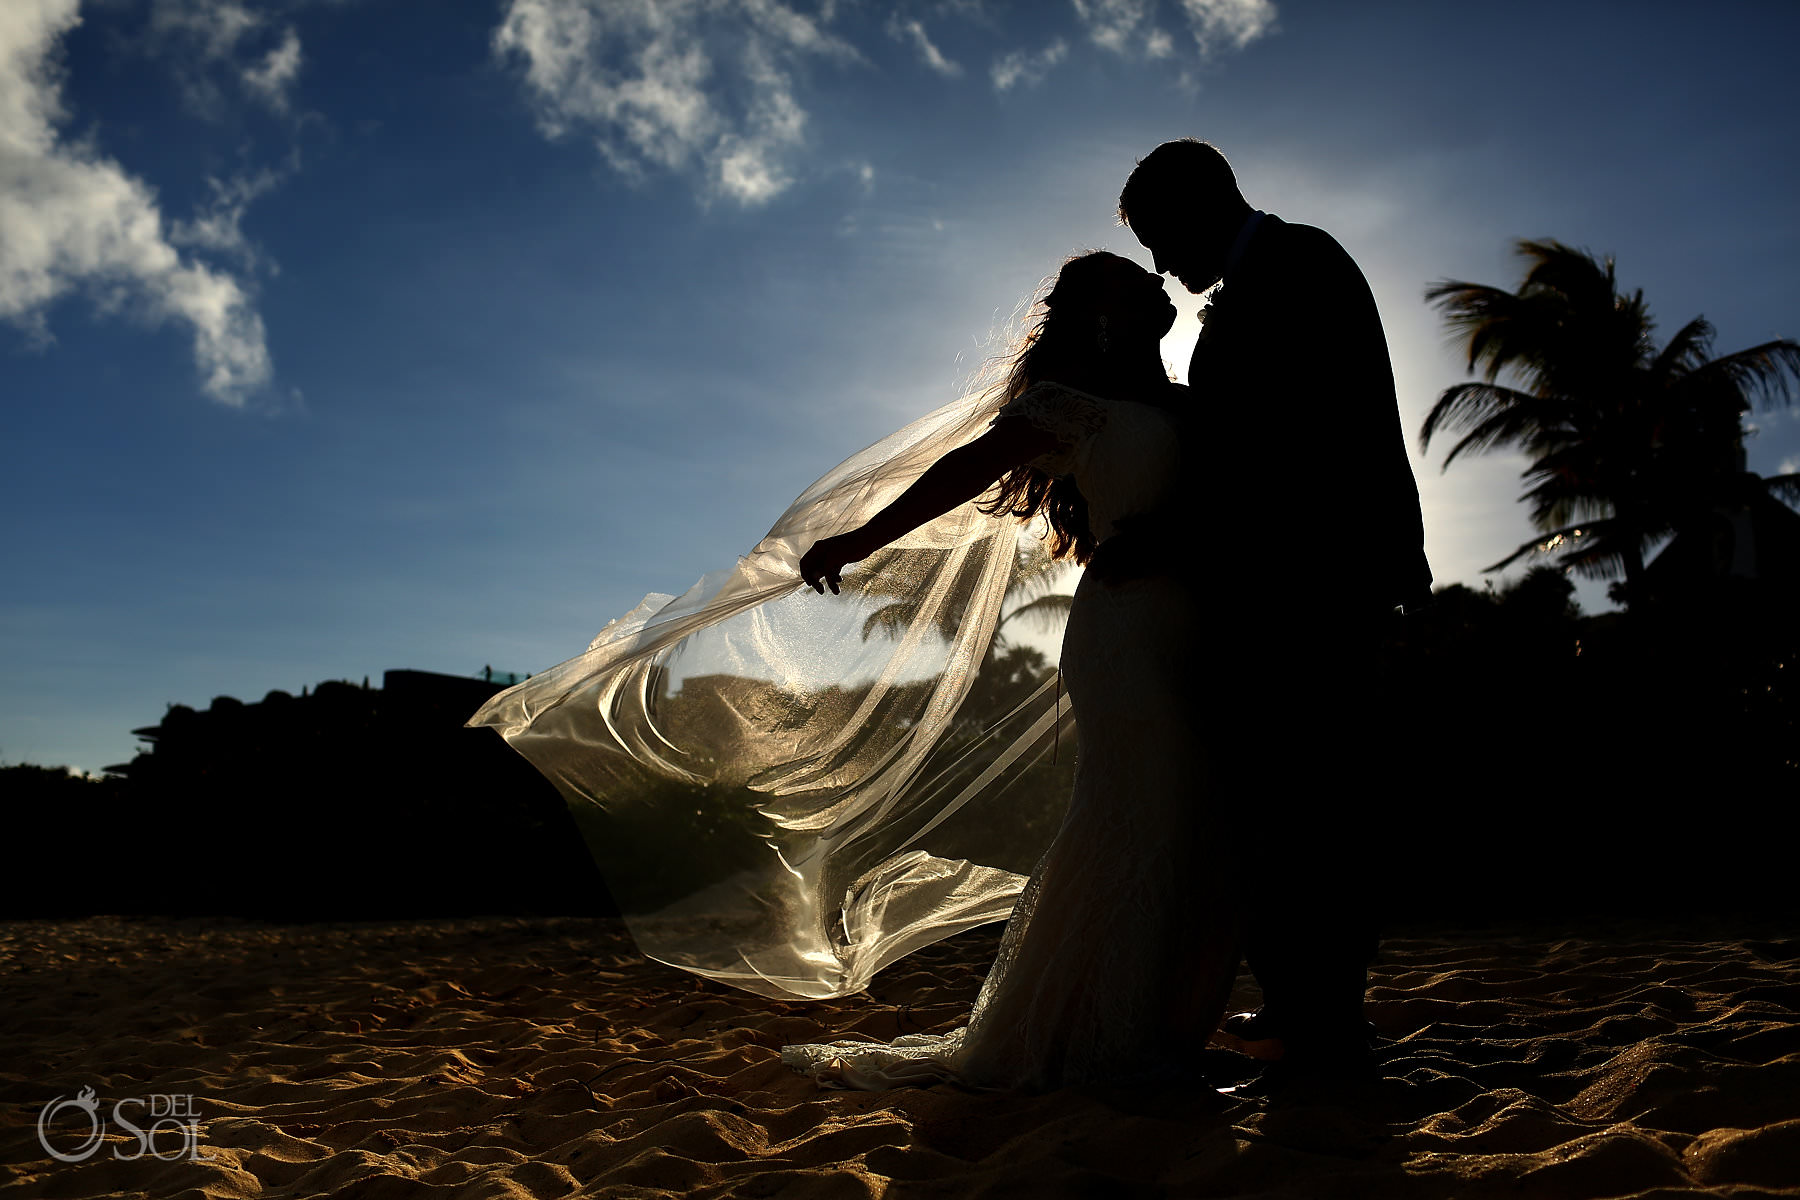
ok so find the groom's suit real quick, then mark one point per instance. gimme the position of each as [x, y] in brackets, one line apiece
[1311, 536]
[1297, 445]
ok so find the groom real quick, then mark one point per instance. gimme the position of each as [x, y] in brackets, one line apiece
[1301, 503]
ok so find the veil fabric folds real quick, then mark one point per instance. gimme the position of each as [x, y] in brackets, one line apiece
[786, 792]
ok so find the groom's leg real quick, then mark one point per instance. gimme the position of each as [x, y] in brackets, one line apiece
[1312, 934]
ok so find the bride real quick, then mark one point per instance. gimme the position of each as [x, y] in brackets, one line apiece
[1120, 954]
[782, 801]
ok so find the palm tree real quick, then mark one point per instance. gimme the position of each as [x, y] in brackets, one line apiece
[1627, 442]
[1008, 672]
[1035, 577]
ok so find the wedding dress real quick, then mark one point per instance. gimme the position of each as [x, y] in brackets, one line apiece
[784, 799]
[1120, 954]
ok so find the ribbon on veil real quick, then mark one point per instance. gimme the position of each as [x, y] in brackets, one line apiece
[786, 792]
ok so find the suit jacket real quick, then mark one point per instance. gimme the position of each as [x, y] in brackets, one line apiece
[1296, 459]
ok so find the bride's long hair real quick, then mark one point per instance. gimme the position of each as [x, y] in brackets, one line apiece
[1063, 344]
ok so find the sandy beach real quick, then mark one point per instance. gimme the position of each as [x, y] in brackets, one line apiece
[509, 1057]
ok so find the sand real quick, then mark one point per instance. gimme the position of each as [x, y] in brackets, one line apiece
[506, 1057]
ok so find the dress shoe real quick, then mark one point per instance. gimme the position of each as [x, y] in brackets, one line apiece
[1262, 1036]
[1252, 1034]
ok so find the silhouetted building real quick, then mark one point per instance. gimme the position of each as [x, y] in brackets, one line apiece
[345, 801]
[1757, 543]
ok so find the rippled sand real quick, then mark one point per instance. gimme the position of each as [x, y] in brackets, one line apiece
[527, 1058]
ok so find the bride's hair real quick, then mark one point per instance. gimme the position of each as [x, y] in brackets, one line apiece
[1065, 344]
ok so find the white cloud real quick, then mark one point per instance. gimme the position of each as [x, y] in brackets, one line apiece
[274, 76]
[1124, 25]
[1228, 24]
[678, 84]
[217, 25]
[1789, 465]
[712, 87]
[1110, 23]
[72, 220]
[913, 30]
[205, 37]
[219, 225]
[1021, 66]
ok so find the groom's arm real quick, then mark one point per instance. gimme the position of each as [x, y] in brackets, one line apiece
[1364, 505]
[1391, 537]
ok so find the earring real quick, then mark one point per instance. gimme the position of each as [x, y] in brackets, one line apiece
[1103, 338]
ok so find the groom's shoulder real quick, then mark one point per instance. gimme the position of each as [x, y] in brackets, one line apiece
[1297, 239]
[1299, 255]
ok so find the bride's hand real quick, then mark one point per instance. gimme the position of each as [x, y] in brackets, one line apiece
[824, 564]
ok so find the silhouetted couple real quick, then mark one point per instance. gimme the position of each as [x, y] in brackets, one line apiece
[1246, 536]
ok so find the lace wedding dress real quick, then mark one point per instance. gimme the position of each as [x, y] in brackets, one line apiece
[1121, 951]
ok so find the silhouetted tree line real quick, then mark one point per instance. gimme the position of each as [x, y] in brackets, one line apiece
[343, 802]
[1546, 762]
[358, 802]
[1543, 762]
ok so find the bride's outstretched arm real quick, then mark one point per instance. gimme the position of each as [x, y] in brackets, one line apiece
[959, 476]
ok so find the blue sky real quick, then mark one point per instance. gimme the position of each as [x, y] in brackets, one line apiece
[344, 335]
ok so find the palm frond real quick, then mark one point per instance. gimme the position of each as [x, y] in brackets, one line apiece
[1547, 543]
[1686, 350]
[891, 619]
[1592, 549]
[1574, 275]
[1555, 504]
[1035, 573]
[1047, 612]
[904, 574]
[1502, 329]
[1467, 405]
[1513, 424]
[1767, 372]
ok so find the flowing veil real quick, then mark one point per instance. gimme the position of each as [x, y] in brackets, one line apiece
[786, 792]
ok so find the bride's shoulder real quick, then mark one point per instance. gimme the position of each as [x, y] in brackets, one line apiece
[1066, 411]
[1050, 389]
[1173, 397]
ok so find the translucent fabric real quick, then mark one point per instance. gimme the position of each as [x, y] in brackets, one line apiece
[1122, 949]
[786, 792]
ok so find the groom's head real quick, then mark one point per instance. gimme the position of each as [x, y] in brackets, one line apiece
[1183, 203]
